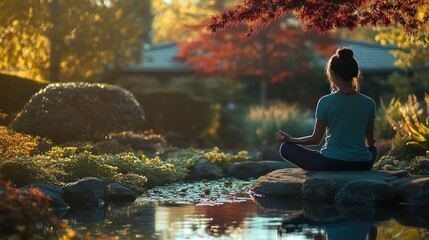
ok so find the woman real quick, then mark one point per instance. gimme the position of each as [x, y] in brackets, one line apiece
[346, 115]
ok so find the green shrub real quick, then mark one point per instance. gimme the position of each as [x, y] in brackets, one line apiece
[181, 118]
[261, 123]
[137, 183]
[387, 114]
[224, 159]
[79, 112]
[16, 91]
[23, 170]
[147, 141]
[391, 163]
[412, 129]
[13, 144]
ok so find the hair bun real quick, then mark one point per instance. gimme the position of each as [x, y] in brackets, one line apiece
[345, 53]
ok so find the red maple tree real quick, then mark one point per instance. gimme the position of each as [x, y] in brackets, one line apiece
[323, 15]
[274, 53]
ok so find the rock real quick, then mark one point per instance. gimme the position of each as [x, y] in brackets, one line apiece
[204, 169]
[321, 190]
[323, 186]
[366, 192]
[280, 183]
[246, 170]
[54, 193]
[87, 191]
[424, 163]
[119, 193]
[415, 192]
[400, 181]
[290, 182]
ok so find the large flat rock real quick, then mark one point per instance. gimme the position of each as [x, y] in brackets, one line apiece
[280, 183]
[314, 185]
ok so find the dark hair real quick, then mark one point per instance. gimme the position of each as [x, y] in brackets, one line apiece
[344, 65]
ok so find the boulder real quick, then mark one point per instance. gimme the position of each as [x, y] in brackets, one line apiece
[66, 112]
[88, 191]
[400, 181]
[366, 192]
[424, 163]
[280, 183]
[251, 169]
[290, 182]
[204, 169]
[415, 192]
[118, 193]
[54, 193]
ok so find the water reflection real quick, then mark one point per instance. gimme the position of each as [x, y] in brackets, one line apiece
[259, 219]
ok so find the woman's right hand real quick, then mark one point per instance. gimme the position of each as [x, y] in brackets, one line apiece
[281, 136]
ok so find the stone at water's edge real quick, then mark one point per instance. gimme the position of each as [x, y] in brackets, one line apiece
[344, 187]
[369, 192]
[415, 192]
[88, 191]
[280, 183]
[204, 169]
[252, 169]
[119, 193]
[54, 193]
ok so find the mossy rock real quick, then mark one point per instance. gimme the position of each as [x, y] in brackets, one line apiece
[79, 112]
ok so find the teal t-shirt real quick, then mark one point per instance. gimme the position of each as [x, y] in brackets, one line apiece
[347, 118]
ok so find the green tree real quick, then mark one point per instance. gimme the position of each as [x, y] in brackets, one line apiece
[412, 50]
[173, 18]
[66, 40]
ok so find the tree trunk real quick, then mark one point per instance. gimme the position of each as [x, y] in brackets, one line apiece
[55, 40]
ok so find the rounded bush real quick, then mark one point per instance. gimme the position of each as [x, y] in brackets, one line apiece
[79, 112]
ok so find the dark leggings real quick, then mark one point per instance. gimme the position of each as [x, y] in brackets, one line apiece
[308, 159]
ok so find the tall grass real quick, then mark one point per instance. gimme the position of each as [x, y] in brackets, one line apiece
[261, 123]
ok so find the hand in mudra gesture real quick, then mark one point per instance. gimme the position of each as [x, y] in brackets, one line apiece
[282, 136]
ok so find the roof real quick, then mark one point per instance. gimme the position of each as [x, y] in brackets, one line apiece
[161, 58]
[371, 57]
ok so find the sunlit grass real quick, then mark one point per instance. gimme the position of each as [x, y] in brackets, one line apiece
[261, 123]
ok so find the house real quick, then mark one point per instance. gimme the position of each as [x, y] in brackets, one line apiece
[160, 62]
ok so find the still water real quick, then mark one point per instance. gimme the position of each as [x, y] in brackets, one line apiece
[198, 213]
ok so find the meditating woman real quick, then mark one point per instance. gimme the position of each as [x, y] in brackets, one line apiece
[346, 116]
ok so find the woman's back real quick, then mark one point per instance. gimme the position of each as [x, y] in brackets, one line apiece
[347, 119]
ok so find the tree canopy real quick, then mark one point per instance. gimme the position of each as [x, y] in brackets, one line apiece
[323, 16]
[412, 50]
[66, 40]
[275, 53]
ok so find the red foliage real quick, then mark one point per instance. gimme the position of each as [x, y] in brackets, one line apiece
[276, 52]
[323, 15]
[24, 211]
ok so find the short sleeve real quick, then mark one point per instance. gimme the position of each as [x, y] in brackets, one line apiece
[321, 111]
[372, 112]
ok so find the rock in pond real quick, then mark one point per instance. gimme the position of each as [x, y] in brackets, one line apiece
[88, 191]
[204, 169]
[280, 183]
[119, 193]
[367, 192]
[415, 192]
[54, 193]
[307, 184]
[252, 169]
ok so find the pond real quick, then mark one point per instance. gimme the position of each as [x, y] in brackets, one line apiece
[222, 210]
